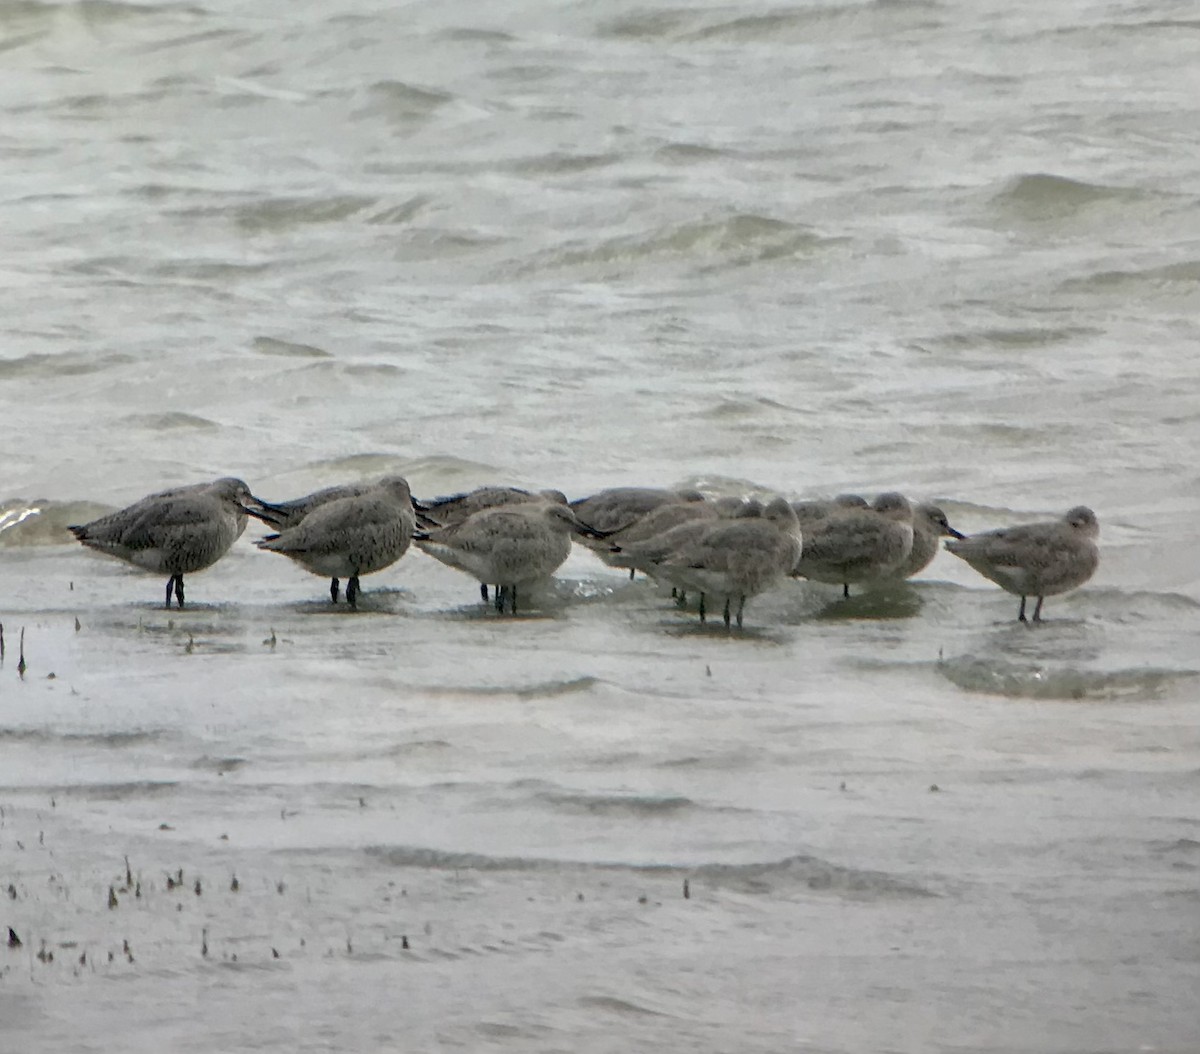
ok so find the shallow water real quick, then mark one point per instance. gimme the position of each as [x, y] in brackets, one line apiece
[801, 249]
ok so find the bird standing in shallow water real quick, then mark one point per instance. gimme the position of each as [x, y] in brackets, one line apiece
[179, 531]
[858, 545]
[345, 537]
[510, 547]
[1036, 559]
[738, 558]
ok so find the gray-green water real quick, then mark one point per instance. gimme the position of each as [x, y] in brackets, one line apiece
[792, 248]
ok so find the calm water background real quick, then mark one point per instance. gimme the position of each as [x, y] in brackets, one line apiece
[951, 249]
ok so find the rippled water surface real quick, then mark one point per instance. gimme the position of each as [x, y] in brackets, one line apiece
[805, 248]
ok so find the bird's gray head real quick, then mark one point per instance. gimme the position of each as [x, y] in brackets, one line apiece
[397, 486]
[229, 488]
[937, 520]
[728, 506]
[749, 509]
[555, 497]
[689, 494]
[851, 501]
[1083, 520]
[894, 506]
[780, 512]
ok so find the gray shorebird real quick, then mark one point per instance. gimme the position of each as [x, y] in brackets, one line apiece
[738, 558]
[1036, 559]
[930, 525]
[510, 547]
[177, 531]
[858, 545]
[454, 508]
[349, 536]
[617, 507]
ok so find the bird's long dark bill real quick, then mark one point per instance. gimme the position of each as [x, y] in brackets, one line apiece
[953, 533]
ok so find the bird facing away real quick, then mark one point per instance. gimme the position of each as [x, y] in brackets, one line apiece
[646, 555]
[454, 508]
[929, 526]
[617, 507]
[509, 547]
[650, 525]
[858, 545]
[350, 536]
[1036, 559]
[808, 512]
[177, 531]
[739, 558]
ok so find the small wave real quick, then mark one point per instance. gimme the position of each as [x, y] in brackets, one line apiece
[543, 690]
[790, 873]
[288, 349]
[617, 804]
[807, 872]
[170, 421]
[560, 163]
[26, 523]
[1017, 338]
[99, 739]
[280, 214]
[737, 240]
[1169, 279]
[401, 213]
[62, 364]
[406, 102]
[623, 1007]
[1041, 196]
[996, 676]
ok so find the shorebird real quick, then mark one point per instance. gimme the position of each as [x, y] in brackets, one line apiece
[177, 531]
[509, 547]
[454, 508]
[738, 558]
[1036, 559]
[808, 512]
[617, 507]
[349, 536]
[929, 525]
[858, 545]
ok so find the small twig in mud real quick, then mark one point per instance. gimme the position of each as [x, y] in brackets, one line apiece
[128, 873]
[191, 645]
[13, 940]
[234, 885]
[196, 888]
[78, 624]
[270, 641]
[112, 898]
[274, 953]
[21, 667]
[404, 943]
[687, 892]
[1, 641]
[204, 943]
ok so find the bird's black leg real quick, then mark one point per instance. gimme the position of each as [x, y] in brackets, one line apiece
[483, 591]
[845, 590]
[631, 574]
[741, 608]
[352, 591]
[179, 590]
[170, 586]
[727, 613]
[703, 613]
[512, 601]
[1037, 610]
[501, 592]
[333, 590]
[1021, 613]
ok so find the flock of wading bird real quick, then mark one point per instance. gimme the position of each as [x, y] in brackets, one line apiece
[728, 549]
